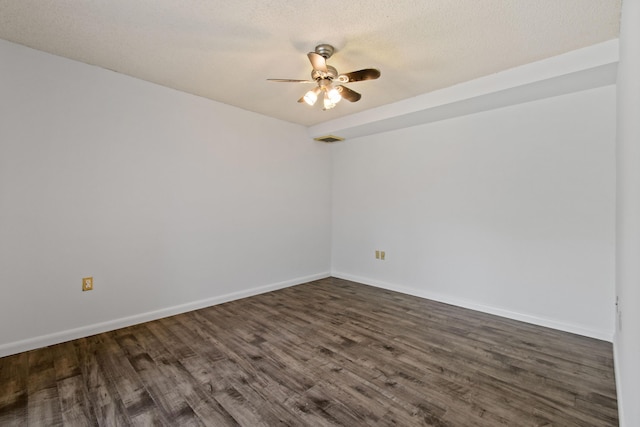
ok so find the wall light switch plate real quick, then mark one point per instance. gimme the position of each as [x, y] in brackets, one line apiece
[87, 284]
[382, 255]
[377, 254]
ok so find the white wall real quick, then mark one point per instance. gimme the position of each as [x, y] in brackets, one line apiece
[169, 200]
[627, 342]
[509, 211]
[173, 202]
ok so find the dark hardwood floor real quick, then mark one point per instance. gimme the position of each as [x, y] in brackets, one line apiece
[330, 352]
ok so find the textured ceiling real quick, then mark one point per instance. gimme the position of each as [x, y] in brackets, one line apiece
[226, 49]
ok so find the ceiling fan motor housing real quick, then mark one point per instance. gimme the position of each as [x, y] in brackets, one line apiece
[331, 73]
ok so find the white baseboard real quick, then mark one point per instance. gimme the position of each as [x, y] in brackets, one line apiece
[616, 372]
[604, 335]
[97, 328]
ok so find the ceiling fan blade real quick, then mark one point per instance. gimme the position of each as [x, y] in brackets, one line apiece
[318, 62]
[348, 94]
[291, 81]
[357, 76]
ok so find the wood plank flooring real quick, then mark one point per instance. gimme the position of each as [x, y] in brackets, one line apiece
[329, 352]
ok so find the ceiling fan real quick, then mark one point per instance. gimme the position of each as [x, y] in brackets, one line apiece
[325, 76]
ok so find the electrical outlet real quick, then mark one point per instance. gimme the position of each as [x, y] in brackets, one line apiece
[87, 284]
[619, 312]
[620, 321]
[377, 254]
[382, 255]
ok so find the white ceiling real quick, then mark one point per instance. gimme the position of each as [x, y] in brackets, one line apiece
[226, 49]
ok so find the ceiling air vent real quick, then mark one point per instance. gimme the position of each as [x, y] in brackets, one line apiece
[329, 138]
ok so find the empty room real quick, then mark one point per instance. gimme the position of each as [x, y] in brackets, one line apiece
[261, 213]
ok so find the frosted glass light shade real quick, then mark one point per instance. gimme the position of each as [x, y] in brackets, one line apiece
[311, 97]
[334, 95]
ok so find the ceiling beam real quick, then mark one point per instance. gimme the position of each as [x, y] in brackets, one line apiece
[582, 69]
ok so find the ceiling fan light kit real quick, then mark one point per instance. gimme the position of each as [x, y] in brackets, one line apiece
[325, 77]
